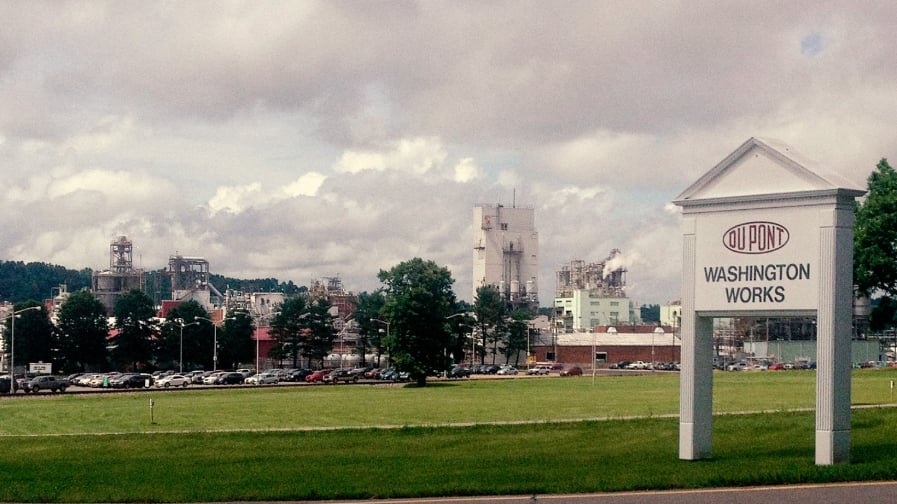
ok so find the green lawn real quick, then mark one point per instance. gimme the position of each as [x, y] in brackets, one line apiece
[458, 438]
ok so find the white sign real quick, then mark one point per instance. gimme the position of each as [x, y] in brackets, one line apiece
[40, 368]
[757, 260]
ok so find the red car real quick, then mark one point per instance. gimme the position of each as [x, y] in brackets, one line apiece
[574, 371]
[317, 376]
[777, 366]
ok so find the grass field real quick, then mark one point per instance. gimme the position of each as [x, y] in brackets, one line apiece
[510, 436]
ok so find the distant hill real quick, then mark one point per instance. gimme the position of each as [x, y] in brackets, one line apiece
[21, 281]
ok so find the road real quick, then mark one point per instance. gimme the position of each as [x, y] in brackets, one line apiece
[835, 493]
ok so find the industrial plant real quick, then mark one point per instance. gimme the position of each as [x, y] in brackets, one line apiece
[506, 253]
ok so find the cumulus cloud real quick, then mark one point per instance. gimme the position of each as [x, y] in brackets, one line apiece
[411, 155]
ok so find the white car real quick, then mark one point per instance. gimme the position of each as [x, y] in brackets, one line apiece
[263, 378]
[212, 378]
[539, 370]
[507, 370]
[174, 380]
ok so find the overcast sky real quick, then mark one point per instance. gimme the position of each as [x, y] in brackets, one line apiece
[306, 139]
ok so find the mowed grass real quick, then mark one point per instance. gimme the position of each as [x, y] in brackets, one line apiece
[458, 438]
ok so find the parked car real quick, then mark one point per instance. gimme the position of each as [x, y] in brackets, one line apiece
[372, 374]
[230, 378]
[506, 370]
[132, 380]
[389, 374]
[573, 371]
[317, 376]
[392, 374]
[340, 376]
[198, 378]
[212, 379]
[776, 366]
[637, 365]
[459, 372]
[174, 380]
[46, 382]
[266, 377]
[542, 369]
[359, 371]
[298, 375]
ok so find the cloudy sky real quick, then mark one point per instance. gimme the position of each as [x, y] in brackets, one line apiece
[308, 139]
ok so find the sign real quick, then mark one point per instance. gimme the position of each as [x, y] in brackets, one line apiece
[40, 368]
[757, 260]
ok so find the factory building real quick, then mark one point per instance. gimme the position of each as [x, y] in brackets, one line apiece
[506, 253]
[190, 281]
[121, 277]
[589, 295]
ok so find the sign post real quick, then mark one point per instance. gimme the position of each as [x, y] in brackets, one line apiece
[766, 236]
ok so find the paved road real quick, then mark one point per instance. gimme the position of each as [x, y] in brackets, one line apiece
[840, 493]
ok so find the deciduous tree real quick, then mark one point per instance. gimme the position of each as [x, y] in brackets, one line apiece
[132, 344]
[82, 333]
[875, 234]
[419, 297]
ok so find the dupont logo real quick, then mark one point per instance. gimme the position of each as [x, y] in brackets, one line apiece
[756, 237]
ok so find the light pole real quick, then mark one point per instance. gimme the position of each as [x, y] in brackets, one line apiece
[181, 323]
[258, 319]
[12, 347]
[472, 337]
[658, 331]
[342, 335]
[215, 339]
[594, 344]
[387, 333]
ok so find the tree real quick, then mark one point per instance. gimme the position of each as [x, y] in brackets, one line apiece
[650, 313]
[82, 331]
[132, 345]
[319, 334]
[461, 325]
[367, 313]
[185, 340]
[235, 344]
[34, 334]
[419, 297]
[875, 234]
[518, 335]
[884, 313]
[491, 312]
[287, 328]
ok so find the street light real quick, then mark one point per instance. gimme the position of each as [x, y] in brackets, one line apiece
[215, 339]
[181, 323]
[12, 347]
[258, 318]
[387, 333]
[658, 331]
[341, 336]
[473, 343]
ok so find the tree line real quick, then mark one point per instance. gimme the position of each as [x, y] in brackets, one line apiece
[414, 321]
[21, 281]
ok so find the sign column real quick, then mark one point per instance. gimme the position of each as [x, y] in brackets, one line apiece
[696, 375]
[833, 327]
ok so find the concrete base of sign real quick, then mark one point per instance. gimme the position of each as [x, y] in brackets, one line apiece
[694, 442]
[832, 447]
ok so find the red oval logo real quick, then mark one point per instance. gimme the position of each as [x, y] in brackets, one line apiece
[760, 237]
